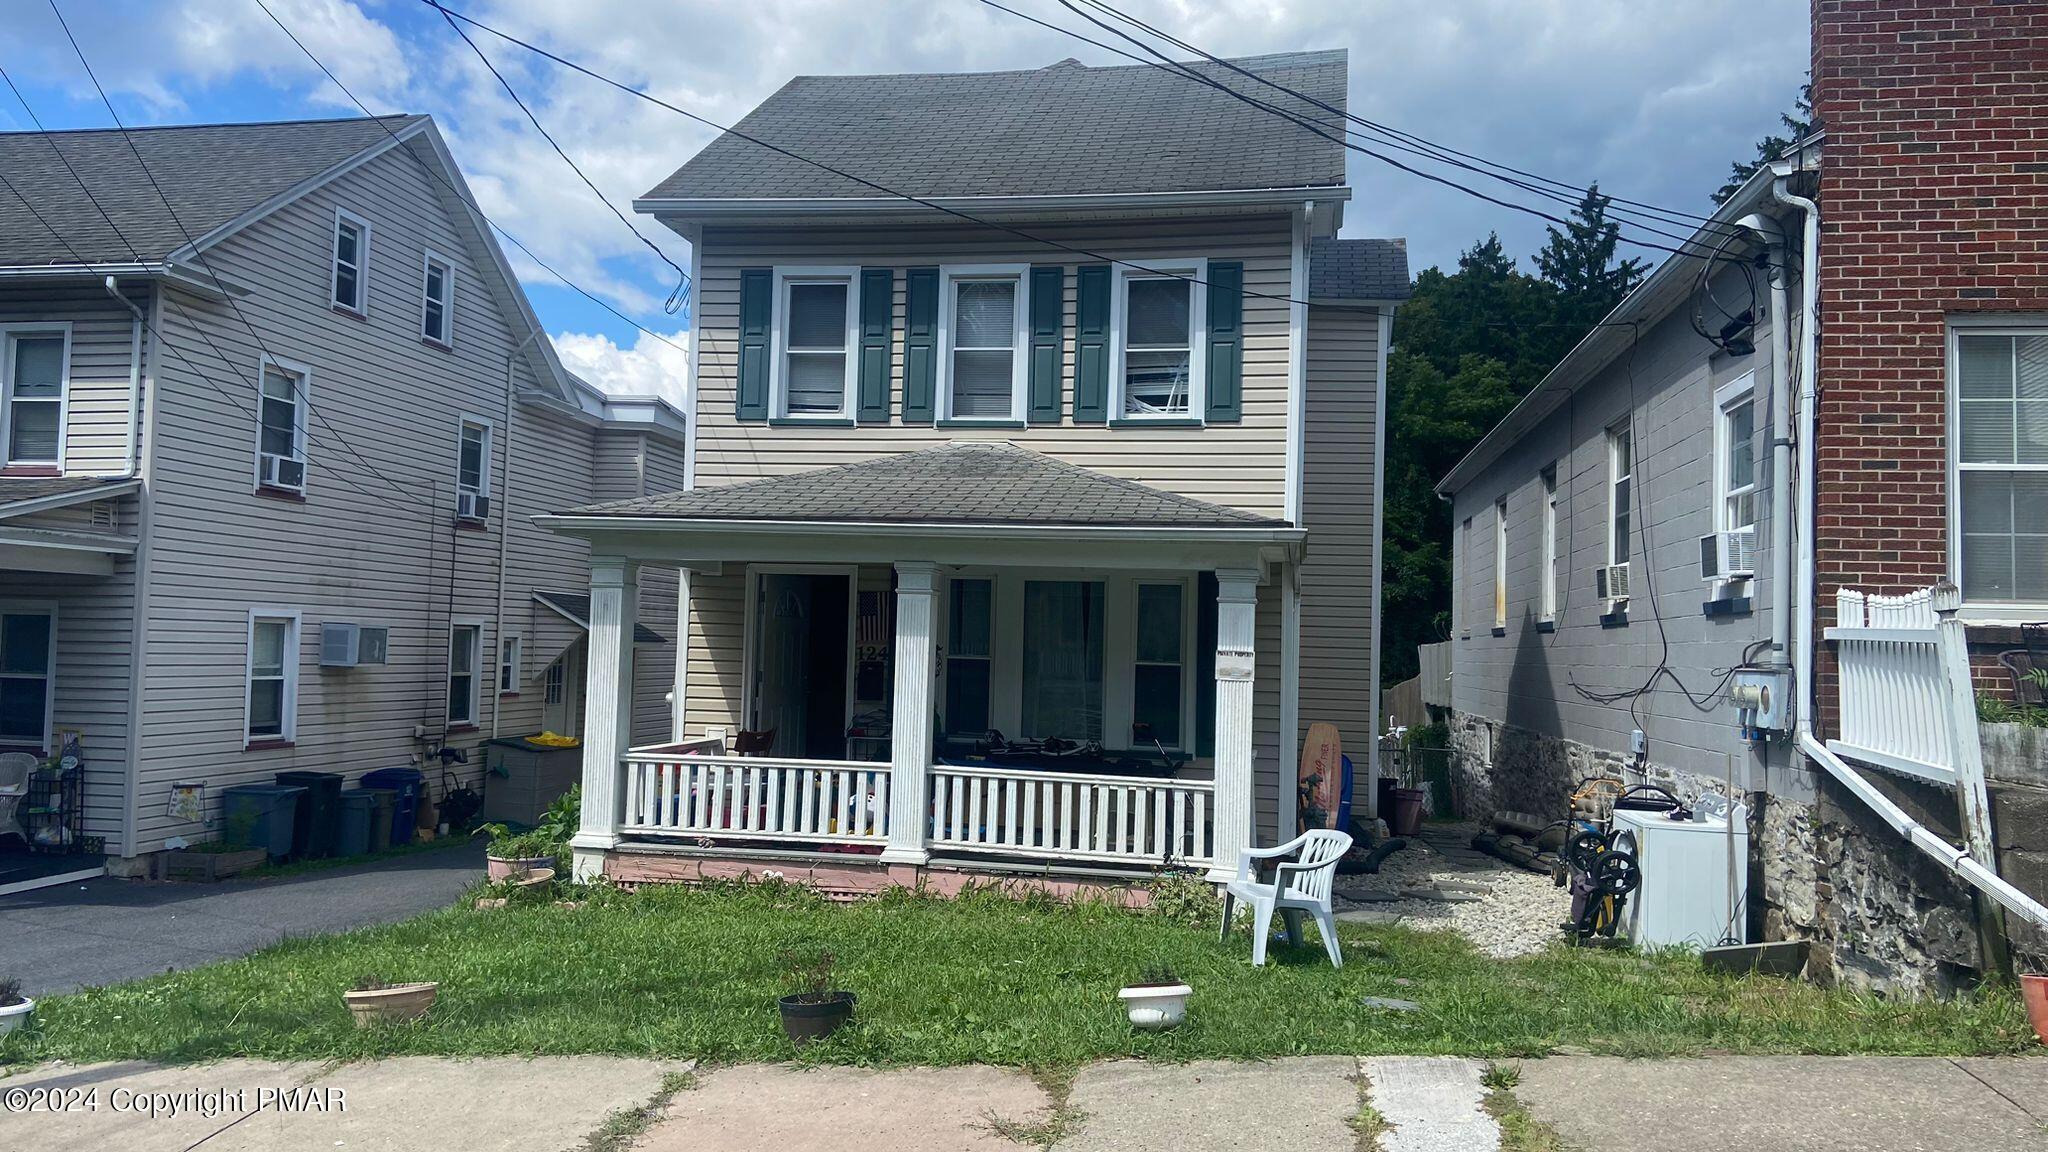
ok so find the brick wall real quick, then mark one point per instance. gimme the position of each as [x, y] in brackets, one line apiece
[1934, 201]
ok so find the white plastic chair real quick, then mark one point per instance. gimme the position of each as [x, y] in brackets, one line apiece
[15, 768]
[1298, 888]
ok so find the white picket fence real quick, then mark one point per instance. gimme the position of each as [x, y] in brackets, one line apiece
[694, 792]
[1896, 708]
[1057, 815]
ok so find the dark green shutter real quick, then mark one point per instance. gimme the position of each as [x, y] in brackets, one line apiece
[757, 296]
[920, 343]
[1226, 342]
[1048, 302]
[1091, 344]
[877, 309]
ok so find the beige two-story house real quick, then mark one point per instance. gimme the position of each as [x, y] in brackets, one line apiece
[276, 419]
[1034, 437]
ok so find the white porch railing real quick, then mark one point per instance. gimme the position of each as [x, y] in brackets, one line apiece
[1895, 699]
[695, 790]
[1063, 816]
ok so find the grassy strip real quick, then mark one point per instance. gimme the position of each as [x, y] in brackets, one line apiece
[624, 1126]
[326, 863]
[675, 972]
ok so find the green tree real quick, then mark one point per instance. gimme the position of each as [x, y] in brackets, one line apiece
[1579, 262]
[1799, 123]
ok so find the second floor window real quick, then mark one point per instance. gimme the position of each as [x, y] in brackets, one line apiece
[1547, 578]
[281, 432]
[34, 397]
[1621, 453]
[1500, 563]
[984, 361]
[473, 470]
[1156, 371]
[817, 325]
[437, 310]
[351, 262]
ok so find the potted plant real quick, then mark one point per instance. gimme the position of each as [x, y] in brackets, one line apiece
[373, 1001]
[1158, 1000]
[512, 852]
[2033, 993]
[14, 1007]
[816, 1009]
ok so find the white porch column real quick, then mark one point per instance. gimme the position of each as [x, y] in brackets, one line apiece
[910, 731]
[679, 696]
[1237, 607]
[607, 707]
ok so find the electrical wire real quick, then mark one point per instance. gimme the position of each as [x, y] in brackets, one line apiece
[460, 197]
[1399, 142]
[681, 294]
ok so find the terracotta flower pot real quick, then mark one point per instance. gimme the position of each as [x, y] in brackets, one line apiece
[400, 1003]
[2034, 994]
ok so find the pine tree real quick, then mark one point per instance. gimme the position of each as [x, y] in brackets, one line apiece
[1799, 123]
[1579, 262]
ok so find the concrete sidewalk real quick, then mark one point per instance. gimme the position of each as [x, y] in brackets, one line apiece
[108, 930]
[1311, 1104]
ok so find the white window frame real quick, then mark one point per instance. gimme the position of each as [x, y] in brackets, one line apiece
[1461, 594]
[554, 683]
[951, 276]
[1727, 398]
[39, 608]
[1196, 270]
[302, 401]
[288, 710]
[1615, 540]
[2011, 325]
[1500, 564]
[511, 664]
[430, 261]
[778, 384]
[360, 307]
[476, 674]
[9, 335]
[462, 426]
[1547, 579]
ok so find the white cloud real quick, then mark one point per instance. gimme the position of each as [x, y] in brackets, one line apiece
[649, 368]
[1652, 101]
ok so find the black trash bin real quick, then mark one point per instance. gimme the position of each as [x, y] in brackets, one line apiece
[319, 817]
[405, 784]
[358, 808]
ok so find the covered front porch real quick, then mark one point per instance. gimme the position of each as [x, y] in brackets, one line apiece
[872, 701]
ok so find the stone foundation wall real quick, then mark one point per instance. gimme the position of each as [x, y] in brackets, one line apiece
[1880, 915]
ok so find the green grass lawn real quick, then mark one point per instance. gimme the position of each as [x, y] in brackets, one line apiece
[681, 972]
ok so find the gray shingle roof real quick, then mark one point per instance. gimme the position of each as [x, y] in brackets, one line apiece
[212, 173]
[956, 483]
[15, 489]
[1358, 270]
[1065, 129]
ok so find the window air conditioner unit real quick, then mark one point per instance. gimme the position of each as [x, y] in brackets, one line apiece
[1728, 555]
[282, 472]
[1610, 582]
[347, 645]
[472, 506]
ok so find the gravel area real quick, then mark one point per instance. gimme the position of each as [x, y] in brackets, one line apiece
[1439, 883]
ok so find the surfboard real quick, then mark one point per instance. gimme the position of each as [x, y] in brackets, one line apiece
[1321, 778]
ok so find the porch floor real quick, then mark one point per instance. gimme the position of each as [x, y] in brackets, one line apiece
[23, 871]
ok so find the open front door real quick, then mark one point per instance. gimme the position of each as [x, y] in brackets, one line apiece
[802, 658]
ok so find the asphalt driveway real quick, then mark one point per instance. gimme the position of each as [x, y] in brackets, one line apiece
[106, 931]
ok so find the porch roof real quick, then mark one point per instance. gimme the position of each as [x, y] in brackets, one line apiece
[963, 483]
[575, 608]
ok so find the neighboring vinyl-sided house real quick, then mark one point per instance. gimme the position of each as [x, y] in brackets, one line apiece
[1777, 519]
[1032, 519]
[273, 441]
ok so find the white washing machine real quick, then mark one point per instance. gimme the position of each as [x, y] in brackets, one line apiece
[1687, 886]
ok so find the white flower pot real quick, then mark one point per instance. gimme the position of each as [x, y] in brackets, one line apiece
[1153, 1007]
[12, 1016]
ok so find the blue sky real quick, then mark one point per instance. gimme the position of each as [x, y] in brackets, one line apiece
[1652, 100]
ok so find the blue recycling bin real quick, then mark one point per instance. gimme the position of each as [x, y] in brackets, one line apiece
[404, 784]
[265, 813]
